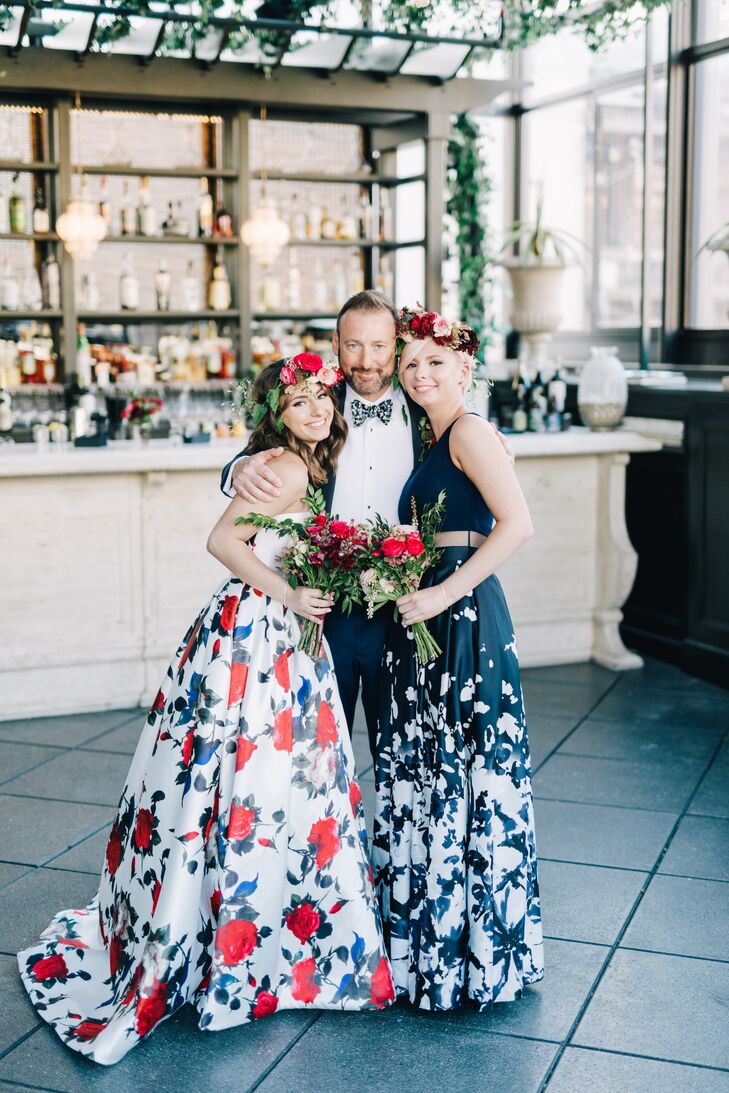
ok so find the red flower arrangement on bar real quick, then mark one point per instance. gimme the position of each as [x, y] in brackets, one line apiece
[142, 409]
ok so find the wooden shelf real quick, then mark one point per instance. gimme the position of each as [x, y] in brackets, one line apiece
[159, 172]
[353, 180]
[25, 316]
[214, 241]
[293, 316]
[30, 237]
[35, 166]
[130, 318]
[354, 244]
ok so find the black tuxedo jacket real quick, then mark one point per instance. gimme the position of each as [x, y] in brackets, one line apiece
[343, 392]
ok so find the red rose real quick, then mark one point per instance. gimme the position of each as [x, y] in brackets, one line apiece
[426, 323]
[266, 1004]
[240, 822]
[187, 747]
[355, 796]
[326, 726]
[320, 519]
[115, 954]
[381, 988]
[341, 529]
[113, 851]
[243, 752]
[281, 671]
[238, 680]
[143, 830]
[159, 703]
[324, 837]
[155, 895]
[88, 1030]
[393, 548]
[303, 921]
[414, 546]
[307, 362]
[283, 731]
[215, 903]
[304, 989]
[228, 613]
[235, 940]
[51, 967]
[415, 323]
[151, 1009]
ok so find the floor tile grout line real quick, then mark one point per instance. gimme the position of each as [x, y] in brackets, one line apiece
[652, 1058]
[679, 956]
[648, 761]
[35, 766]
[604, 804]
[57, 800]
[594, 865]
[574, 728]
[281, 1056]
[27, 1085]
[21, 1040]
[624, 928]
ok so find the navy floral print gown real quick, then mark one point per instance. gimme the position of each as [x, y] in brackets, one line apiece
[454, 849]
[236, 875]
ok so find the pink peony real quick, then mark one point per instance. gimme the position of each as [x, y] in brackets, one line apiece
[441, 327]
[288, 375]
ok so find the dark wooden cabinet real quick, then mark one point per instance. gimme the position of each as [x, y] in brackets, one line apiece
[677, 512]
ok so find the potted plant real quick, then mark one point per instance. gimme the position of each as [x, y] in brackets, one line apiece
[536, 276]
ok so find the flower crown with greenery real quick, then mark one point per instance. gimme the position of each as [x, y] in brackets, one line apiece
[299, 373]
[415, 323]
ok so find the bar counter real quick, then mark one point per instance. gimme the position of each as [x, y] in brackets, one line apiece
[115, 542]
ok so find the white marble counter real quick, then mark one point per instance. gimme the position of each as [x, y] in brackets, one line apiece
[105, 567]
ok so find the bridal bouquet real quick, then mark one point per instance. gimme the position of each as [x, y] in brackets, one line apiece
[399, 555]
[326, 554]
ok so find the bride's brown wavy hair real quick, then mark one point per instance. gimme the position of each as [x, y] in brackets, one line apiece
[322, 461]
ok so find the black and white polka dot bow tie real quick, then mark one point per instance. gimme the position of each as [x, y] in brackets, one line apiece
[361, 411]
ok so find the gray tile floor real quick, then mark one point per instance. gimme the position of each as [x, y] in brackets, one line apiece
[632, 787]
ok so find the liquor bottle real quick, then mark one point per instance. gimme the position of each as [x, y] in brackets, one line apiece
[128, 285]
[366, 218]
[16, 209]
[537, 406]
[386, 231]
[9, 289]
[45, 357]
[313, 220]
[223, 223]
[297, 222]
[51, 283]
[557, 390]
[169, 224]
[162, 286]
[319, 287]
[26, 355]
[385, 278]
[219, 289]
[89, 295]
[271, 291]
[191, 290]
[128, 212]
[6, 412]
[83, 357]
[32, 296]
[146, 212]
[356, 275]
[520, 397]
[41, 216]
[183, 224]
[105, 206]
[204, 210]
[347, 223]
[328, 226]
[294, 282]
[554, 417]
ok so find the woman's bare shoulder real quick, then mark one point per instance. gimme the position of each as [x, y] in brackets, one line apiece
[292, 471]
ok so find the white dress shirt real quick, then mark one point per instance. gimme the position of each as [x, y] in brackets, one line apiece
[375, 462]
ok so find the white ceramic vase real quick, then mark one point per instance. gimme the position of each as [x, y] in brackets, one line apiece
[602, 392]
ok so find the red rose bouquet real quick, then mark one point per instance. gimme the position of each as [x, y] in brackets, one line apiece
[398, 557]
[142, 409]
[325, 553]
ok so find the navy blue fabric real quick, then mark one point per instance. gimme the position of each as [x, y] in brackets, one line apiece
[356, 644]
[465, 508]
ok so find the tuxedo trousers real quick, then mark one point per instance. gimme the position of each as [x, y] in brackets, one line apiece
[357, 644]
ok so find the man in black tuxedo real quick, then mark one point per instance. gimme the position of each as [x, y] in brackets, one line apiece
[383, 444]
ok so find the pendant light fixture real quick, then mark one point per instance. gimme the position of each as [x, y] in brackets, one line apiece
[264, 232]
[81, 227]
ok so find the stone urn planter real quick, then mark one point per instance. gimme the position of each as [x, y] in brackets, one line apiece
[536, 303]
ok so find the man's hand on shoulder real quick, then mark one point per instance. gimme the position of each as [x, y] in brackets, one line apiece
[253, 480]
[505, 445]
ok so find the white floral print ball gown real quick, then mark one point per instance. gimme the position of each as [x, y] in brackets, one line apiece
[236, 876]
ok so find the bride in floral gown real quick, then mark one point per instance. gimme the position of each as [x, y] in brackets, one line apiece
[236, 875]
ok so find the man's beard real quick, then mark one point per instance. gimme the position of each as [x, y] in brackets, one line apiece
[375, 381]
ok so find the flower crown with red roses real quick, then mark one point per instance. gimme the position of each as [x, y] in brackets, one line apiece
[415, 323]
[299, 373]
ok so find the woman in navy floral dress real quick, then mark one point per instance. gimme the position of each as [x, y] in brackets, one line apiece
[236, 874]
[454, 849]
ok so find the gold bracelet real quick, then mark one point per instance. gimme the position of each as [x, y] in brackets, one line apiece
[445, 601]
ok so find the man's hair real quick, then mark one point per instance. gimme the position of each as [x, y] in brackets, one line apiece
[369, 301]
